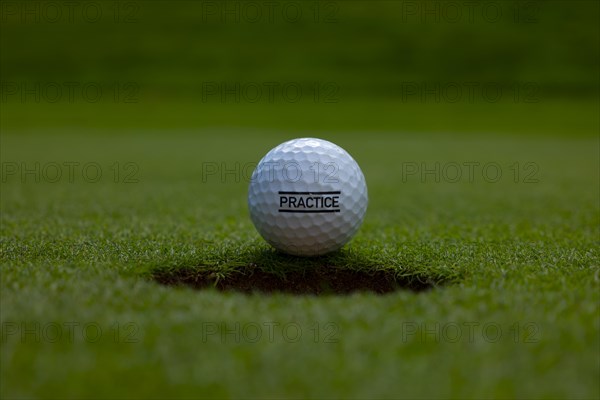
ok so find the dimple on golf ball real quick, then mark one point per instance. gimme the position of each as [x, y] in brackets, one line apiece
[307, 197]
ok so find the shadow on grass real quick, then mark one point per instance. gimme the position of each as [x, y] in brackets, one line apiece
[268, 271]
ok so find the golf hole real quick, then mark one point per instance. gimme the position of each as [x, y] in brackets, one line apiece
[322, 280]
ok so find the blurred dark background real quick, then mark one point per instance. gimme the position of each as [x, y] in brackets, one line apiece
[507, 66]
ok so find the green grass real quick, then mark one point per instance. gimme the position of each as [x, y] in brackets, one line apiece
[513, 309]
[549, 116]
[520, 257]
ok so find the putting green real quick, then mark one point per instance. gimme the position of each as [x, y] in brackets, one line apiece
[511, 259]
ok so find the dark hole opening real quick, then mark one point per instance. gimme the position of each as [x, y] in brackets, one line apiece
[320, 280]
[268, 271]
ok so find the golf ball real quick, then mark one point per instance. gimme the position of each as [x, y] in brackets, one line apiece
[307, 197]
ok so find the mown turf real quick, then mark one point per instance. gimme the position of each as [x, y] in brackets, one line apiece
[513, 269]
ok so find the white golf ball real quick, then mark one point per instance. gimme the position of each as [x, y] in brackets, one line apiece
[307, 197]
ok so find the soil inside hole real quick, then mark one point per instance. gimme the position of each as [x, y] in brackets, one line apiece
[318, 280]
